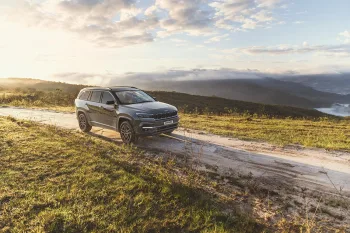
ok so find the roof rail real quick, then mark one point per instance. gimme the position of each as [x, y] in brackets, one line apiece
[125, 86]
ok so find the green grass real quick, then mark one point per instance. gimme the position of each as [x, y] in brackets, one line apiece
[55, 180]
[55, 100]
[325, 133]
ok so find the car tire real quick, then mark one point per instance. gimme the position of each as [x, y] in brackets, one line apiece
[127, 133]
[83, 123]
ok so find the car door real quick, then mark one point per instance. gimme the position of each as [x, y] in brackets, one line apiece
[107, 114]
[94, 106]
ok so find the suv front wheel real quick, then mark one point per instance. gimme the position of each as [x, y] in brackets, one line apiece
[127, 133]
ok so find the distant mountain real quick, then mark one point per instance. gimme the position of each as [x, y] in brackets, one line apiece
[262, 90]
[304, 91]
[244, 90]
[40, 85]
[195, 103]
[334, 83]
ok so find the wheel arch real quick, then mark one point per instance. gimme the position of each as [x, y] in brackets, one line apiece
[79, 111]
[121, 119]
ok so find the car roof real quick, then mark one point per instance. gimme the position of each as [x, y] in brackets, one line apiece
[115, 88]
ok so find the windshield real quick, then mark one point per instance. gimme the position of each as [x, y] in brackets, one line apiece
[133, 97]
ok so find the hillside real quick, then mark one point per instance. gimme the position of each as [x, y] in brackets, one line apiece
[317, 97]
[259, 90]
[204, 104]
[37, 93]
[334, 83]
[40, 85]
[243, 90]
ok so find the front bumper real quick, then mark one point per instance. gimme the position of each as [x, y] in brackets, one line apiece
[146, 127]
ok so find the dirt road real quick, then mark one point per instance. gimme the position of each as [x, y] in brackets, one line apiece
[316, 170]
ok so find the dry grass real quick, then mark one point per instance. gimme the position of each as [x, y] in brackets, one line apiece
[331, 134]
[55, 180]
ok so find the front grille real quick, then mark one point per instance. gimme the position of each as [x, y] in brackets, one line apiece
[165, 115]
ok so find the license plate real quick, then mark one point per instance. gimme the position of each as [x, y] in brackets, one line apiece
[168, 122]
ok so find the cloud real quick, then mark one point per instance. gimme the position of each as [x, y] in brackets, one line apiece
[183, 16]
[144, 78]
[345, 37]
[217, 38]
[263, 16]
[119, 23]
[325, 50]
[244, 14]
[249, 24]
[194, 74]
[94, 20]
[84, 78]
[151, 10]
[267, 3]
[95, 7]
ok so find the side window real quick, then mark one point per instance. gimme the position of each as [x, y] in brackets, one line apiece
[84, 95]
[106, 96]
[95, 96]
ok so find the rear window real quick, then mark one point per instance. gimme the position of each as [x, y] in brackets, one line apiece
[84, 95]
[95, 96]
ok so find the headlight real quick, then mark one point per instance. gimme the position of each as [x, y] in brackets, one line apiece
[144, 115]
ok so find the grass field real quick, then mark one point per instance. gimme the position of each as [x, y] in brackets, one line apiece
[54, 180]
[325, 133]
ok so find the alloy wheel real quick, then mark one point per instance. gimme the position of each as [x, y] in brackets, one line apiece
[127, 133]
[82, 122]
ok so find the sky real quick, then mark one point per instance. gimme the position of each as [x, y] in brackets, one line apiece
[90, 41]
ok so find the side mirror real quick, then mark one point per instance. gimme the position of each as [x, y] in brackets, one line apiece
[110, 102]
[155, 98]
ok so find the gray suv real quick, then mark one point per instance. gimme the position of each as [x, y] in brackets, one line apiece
[127, 110]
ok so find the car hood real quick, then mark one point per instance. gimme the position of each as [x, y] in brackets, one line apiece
[151, 107]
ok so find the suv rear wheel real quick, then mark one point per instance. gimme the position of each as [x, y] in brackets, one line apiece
[83, 123]
[127, 133]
